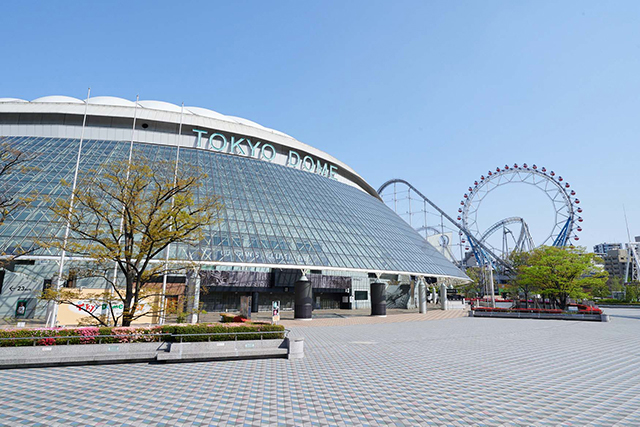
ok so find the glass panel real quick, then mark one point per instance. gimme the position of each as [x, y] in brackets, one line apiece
[271, 214]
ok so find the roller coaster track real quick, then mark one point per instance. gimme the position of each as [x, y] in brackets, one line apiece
[485, 252]
[524, 242]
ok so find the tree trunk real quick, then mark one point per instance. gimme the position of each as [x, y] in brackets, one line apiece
[563, 302]
[129, 308]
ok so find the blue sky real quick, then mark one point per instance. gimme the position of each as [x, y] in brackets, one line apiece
[434, 92]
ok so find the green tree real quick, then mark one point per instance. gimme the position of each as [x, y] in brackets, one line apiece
[473, 288]
[616, 284]
[632, 291]
[519, 282]
[127, 214]
[600, 290]
[562, 273]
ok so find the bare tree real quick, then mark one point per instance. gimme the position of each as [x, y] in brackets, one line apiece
[127, 214]
[11, 161]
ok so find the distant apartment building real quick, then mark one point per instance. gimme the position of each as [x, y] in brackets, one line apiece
[615, 262]
[601, 249]
[617, 257]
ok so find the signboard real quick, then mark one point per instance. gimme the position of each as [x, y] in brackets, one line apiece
[245, 307]
[21, 308]
[362, 295]
[100, 308]
[275, 312]
[286, 278]
[245, 279]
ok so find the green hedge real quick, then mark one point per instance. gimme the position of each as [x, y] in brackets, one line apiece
[616, 302]
[85, 335]
[90, 335]
[46, 335]
[228, 332]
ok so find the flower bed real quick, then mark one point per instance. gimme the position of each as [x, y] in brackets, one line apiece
[105, 335]
[590, 310]
[232, 318]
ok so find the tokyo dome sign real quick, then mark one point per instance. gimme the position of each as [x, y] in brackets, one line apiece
[243, 146]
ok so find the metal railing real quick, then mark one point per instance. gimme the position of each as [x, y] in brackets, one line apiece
[209, 335]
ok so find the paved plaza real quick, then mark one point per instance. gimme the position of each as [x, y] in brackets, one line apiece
[440, 371]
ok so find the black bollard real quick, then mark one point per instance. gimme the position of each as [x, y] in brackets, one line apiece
[254, 302]
[378, 299]
[303, 299]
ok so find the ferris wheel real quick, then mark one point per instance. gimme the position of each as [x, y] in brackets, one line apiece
[566, 207]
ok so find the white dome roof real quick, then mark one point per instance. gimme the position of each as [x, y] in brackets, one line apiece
[110, 106]
[59, 99]
[205, 112]
[114, 101]
[246, 122]
[161, 105]
[12, 100]
[111, 100]
[280, 133]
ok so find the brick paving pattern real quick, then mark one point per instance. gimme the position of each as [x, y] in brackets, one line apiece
[449, 371]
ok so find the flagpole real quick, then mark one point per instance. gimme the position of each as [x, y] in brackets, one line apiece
[115, 266]
[166, 260]
[52, 308]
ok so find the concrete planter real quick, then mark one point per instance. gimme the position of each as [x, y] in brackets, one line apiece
[18, 357]
[454, 305]
[33, 356]
[296, 348]
[551, 316]
[198, 351]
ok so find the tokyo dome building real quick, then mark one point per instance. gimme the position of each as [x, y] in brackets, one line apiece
[287, 208]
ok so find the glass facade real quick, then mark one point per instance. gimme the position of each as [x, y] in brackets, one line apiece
[272, 214]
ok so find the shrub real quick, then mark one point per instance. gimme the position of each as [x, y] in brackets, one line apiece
[18, 333]
[226, 317]
[612, 301]
[46, 341]
[107, 331]
[86, 335]
[90, 335]
[132, 334]
[227, 329]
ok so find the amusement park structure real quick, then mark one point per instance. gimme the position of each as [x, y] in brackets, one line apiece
[443, 214]
[632, 270]
[437, 225]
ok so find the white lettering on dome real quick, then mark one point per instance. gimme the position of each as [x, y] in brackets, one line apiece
[263, 151]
